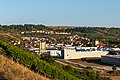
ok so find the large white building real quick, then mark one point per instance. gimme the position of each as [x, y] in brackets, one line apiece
[77, 53]
[73, 54]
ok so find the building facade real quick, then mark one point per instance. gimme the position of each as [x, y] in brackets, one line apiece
[111, 59]
[73, 54]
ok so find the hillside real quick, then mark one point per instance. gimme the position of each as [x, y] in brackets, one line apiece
[104, 34]
[14, 71]
[36, 63]
[110, 36]
[97, 32]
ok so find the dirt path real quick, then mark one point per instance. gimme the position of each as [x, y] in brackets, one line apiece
[15, 71]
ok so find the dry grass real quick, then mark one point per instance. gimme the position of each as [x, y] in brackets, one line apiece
[14, 71]
[115, 77]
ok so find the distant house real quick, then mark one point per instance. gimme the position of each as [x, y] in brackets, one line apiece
[100, 45]
[22, 32]
[60, 44]
[25, 38]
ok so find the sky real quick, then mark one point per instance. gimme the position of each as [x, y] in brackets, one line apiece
[61, 12]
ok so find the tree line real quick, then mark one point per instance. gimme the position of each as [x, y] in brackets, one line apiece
[25, 27]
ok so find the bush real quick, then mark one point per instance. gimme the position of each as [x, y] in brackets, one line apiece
[114, 67]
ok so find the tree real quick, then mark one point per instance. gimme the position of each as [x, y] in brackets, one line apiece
[114, 67]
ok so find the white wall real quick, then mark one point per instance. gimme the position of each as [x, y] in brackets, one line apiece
[72, 54]
[56, 53]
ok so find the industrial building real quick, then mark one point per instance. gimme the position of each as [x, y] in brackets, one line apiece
[73, 53]
[113, 58]
[83, 53]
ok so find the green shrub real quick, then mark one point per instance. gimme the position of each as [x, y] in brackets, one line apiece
[114, 67]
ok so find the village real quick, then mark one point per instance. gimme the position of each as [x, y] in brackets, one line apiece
[67, 46]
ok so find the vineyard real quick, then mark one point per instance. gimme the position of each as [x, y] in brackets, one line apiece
[34, 62]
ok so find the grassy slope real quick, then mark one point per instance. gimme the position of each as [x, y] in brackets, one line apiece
[15, 71]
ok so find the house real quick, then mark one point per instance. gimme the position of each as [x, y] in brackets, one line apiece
[100, 45]
[22, 32]
[25, 38]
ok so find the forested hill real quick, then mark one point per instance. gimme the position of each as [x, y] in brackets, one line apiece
[104, 34]
[25, 27]
[107, 35]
